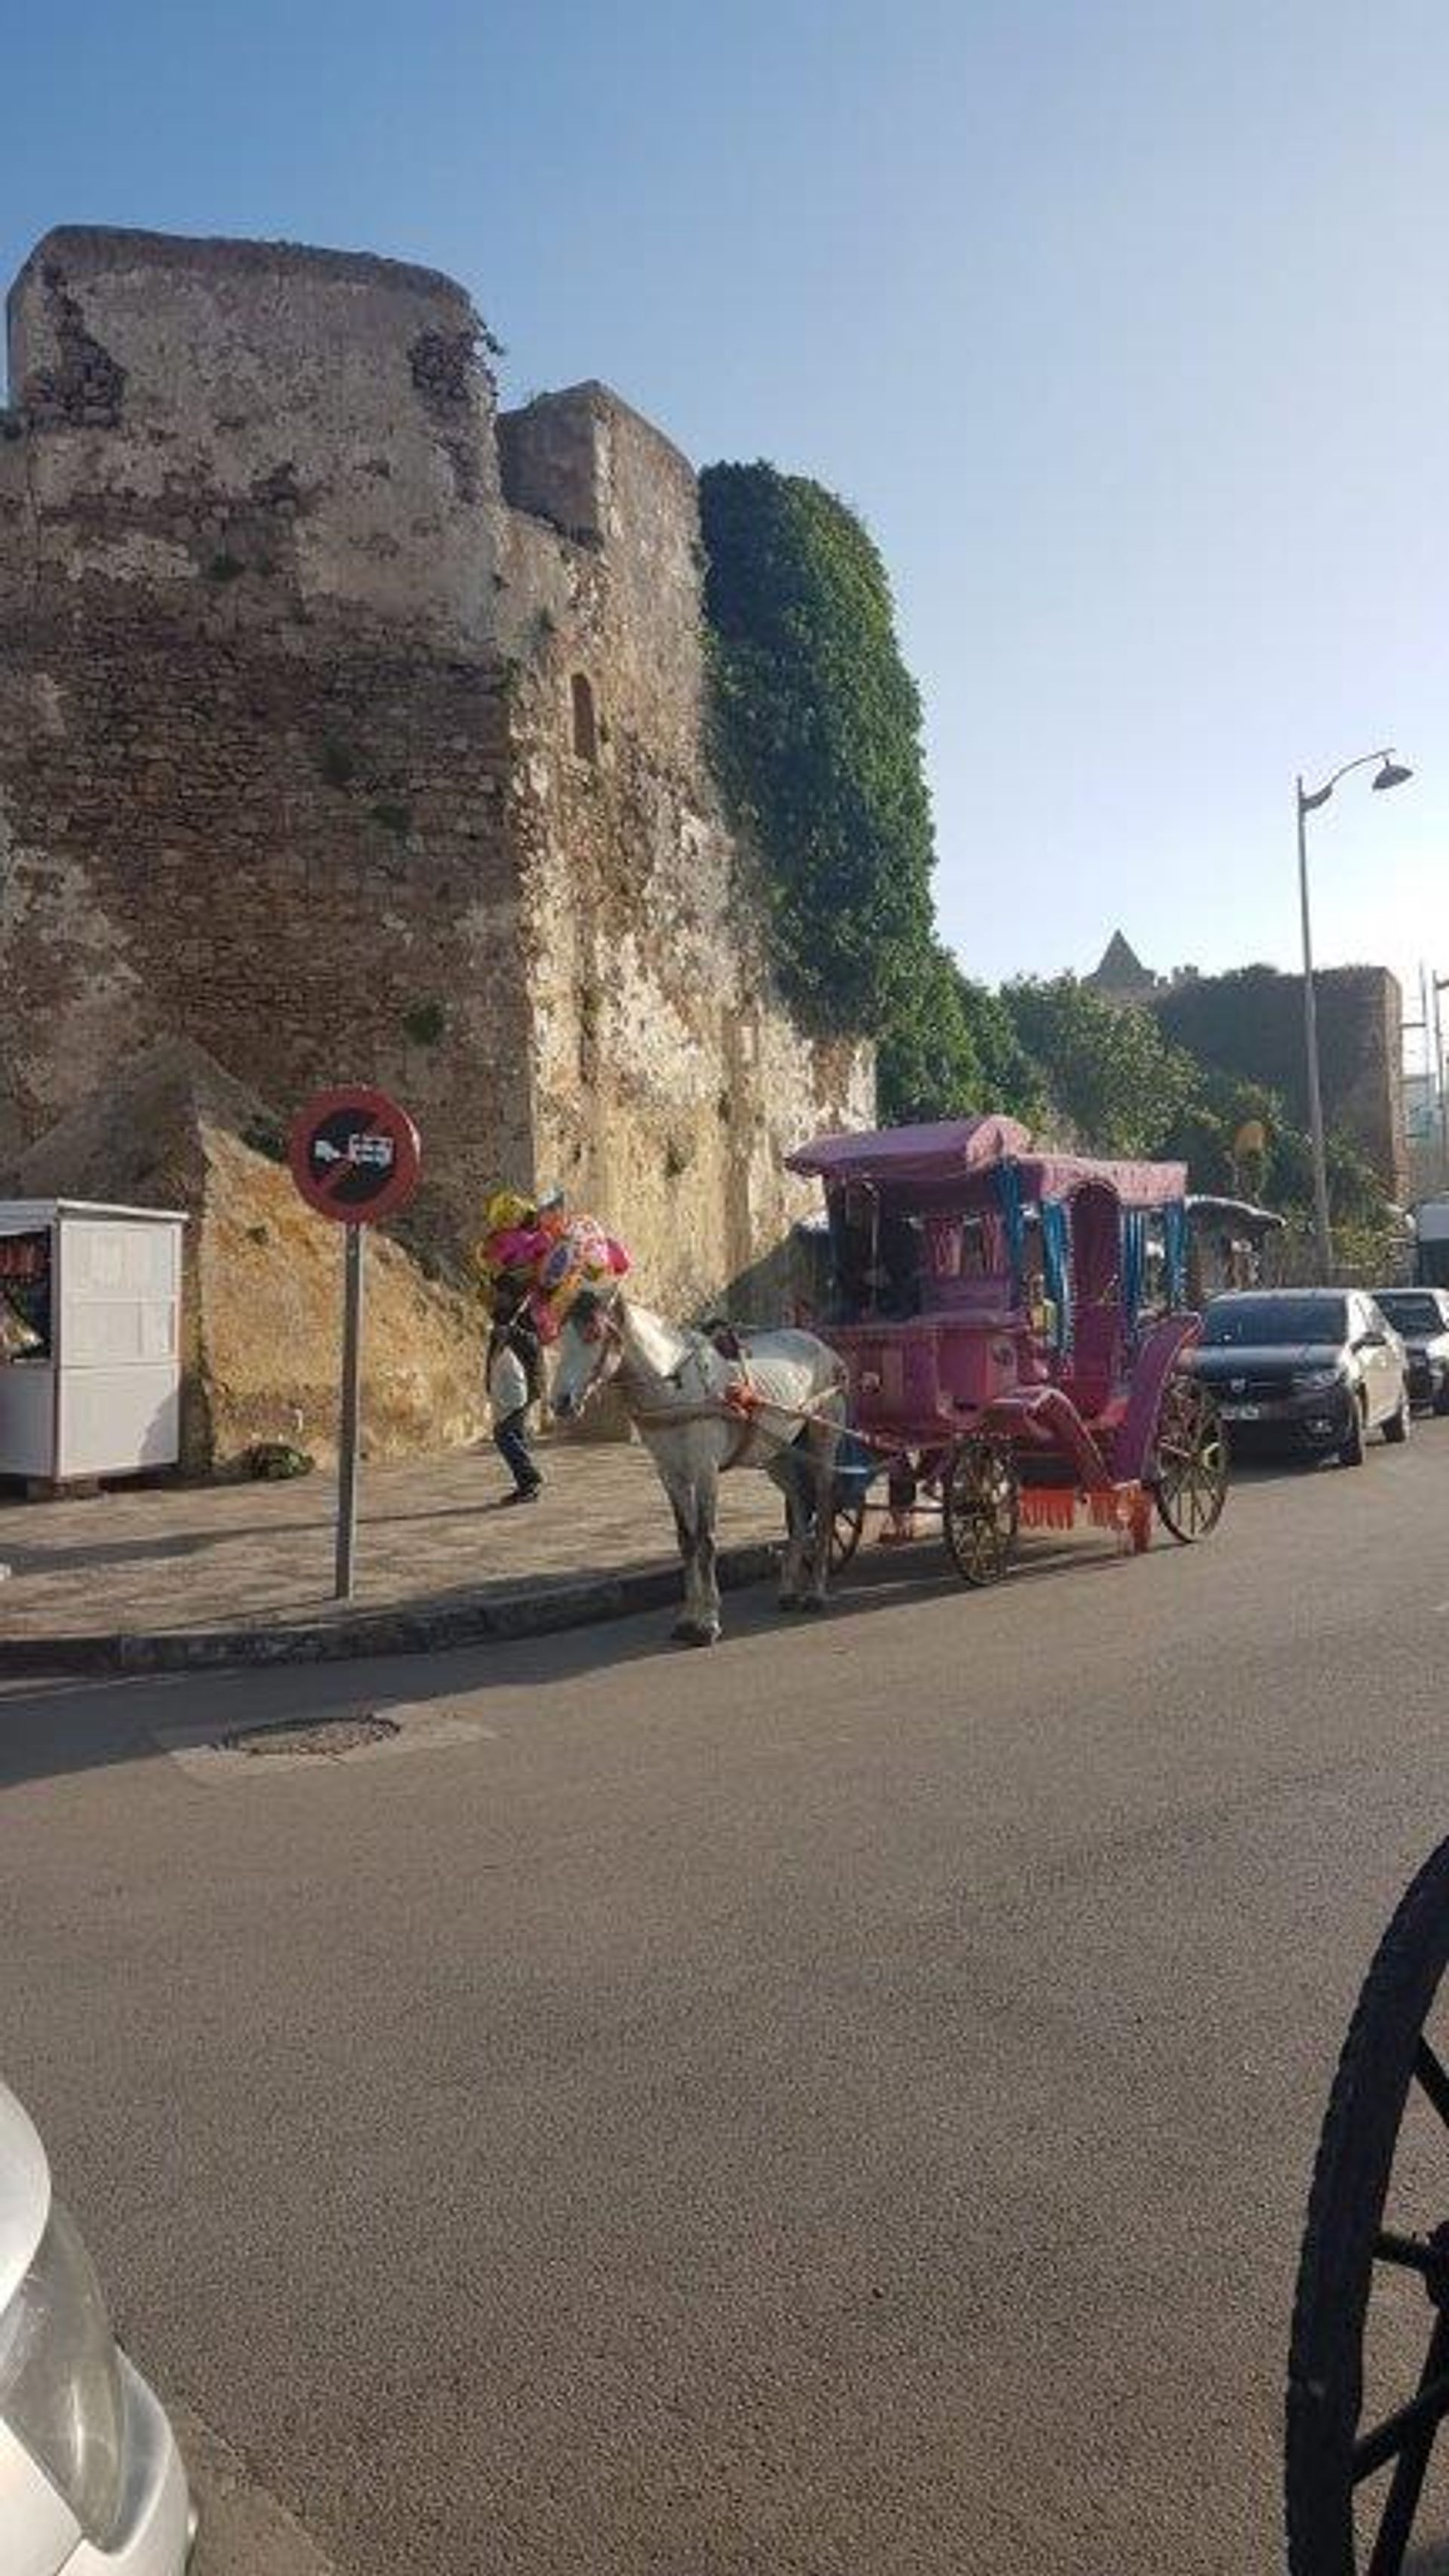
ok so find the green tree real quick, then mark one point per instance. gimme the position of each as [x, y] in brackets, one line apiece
[1106, 1070]
[817, 743]
[951, 1049]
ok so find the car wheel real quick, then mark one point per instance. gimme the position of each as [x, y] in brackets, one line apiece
[1441, 1396]
[1352, 1451]
[1396, 1429]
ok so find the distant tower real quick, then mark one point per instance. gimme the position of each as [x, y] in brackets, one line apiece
[1121, 975]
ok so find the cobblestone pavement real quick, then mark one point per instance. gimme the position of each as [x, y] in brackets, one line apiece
[431, 1534]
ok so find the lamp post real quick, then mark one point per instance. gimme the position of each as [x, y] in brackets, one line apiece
[1391, 774]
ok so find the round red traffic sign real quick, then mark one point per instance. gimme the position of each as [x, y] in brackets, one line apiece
[355, 1155]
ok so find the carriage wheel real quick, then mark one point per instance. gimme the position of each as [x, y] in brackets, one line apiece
[980, 1506]
[846, 1527]
[1368, 2372]
[1191, 1475]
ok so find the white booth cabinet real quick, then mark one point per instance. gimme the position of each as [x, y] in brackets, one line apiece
[99, 1391]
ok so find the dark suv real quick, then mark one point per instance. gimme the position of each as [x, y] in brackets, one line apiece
[1420, 1317]
[1306, 1369]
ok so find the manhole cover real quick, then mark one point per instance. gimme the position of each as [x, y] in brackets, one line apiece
[326, 1735]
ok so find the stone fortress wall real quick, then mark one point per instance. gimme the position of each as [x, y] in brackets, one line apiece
[350, 730]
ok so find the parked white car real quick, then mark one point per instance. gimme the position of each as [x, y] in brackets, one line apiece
[91, 2480]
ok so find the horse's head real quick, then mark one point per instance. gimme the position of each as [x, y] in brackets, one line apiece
[589, 1350]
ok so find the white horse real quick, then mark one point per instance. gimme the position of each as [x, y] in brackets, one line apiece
[779, 1406]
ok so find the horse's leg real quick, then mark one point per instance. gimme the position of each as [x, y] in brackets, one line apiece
[681, 1499]
[784, 1471]
[824, 1443]
[695, 1505]
[706, 1523]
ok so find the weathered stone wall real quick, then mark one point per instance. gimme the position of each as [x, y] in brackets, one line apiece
[669, 1080]
[1251, 1024]
[350, 732]
[1361, 1041]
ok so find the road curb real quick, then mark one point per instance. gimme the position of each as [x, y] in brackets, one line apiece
[418, 1631]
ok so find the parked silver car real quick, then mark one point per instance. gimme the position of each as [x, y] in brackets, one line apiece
[91, 2481]
[1420, 1317]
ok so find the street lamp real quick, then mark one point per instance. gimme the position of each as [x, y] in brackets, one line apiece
[1391, 773]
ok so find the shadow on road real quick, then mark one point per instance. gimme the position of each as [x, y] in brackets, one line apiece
[65, 1723]
[75, 1722]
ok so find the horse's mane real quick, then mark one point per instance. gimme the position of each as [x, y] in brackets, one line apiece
[660, 1345]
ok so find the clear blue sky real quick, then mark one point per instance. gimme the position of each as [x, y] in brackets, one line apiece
[1123, 322]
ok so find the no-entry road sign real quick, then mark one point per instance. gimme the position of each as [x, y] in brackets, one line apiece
[355, 1155]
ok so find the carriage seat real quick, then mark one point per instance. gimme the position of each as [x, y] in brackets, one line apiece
[1091, 1372]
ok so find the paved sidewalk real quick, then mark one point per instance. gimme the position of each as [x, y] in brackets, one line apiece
[249, 1567]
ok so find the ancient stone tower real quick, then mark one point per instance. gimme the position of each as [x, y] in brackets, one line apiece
[355, 731]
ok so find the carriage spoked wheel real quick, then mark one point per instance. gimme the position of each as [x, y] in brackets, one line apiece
[980, 1507]
[846, 1529]
[1191, 1478]
[1367, 2478]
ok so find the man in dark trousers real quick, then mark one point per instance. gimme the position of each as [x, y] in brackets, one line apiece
[515, 1382]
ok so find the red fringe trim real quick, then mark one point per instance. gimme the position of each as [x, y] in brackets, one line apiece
[1126, 1510]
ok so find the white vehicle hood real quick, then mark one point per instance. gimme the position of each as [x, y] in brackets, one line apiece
[24, 2194]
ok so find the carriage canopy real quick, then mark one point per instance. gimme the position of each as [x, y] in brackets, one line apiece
[934, 1160]
[973, 1213]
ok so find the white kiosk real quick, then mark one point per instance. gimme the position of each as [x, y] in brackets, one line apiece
[91, 1300]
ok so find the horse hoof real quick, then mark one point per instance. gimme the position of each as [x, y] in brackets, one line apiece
[695, 1632]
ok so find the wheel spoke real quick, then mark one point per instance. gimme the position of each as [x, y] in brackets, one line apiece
[1404, 2253]
[1406, 2486]
[1433, 2079]
[1422, 2416]
[1191, 1470]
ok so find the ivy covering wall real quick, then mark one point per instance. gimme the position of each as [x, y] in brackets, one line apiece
[818, 742]
[817, 747]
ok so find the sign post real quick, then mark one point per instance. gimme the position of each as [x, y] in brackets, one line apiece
[351, 1406]
[355, 1157]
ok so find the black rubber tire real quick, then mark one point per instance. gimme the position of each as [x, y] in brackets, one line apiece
[1397, 1427]
[1353, 1451]
[1441, 1399]
[1345, 2211]
[980, 1509]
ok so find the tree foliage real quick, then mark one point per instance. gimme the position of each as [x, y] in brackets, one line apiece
[1108, 1072]
[952, 1049]
[817, 745]
[817, 737]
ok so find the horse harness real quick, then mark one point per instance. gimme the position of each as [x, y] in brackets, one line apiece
[740, 1401]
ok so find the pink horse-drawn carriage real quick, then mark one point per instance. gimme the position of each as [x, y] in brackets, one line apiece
[1011, 1319]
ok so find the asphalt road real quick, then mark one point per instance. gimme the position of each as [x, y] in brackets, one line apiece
[843, 2103]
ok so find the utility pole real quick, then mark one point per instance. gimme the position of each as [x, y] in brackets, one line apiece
[1437, 985]
[1391, 773]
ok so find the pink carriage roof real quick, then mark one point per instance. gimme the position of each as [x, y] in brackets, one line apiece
[944, 1152]
[956, 1149]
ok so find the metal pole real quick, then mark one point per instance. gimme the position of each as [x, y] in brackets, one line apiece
[1441, 1097]
[351, 1394]
[1322, 1230]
